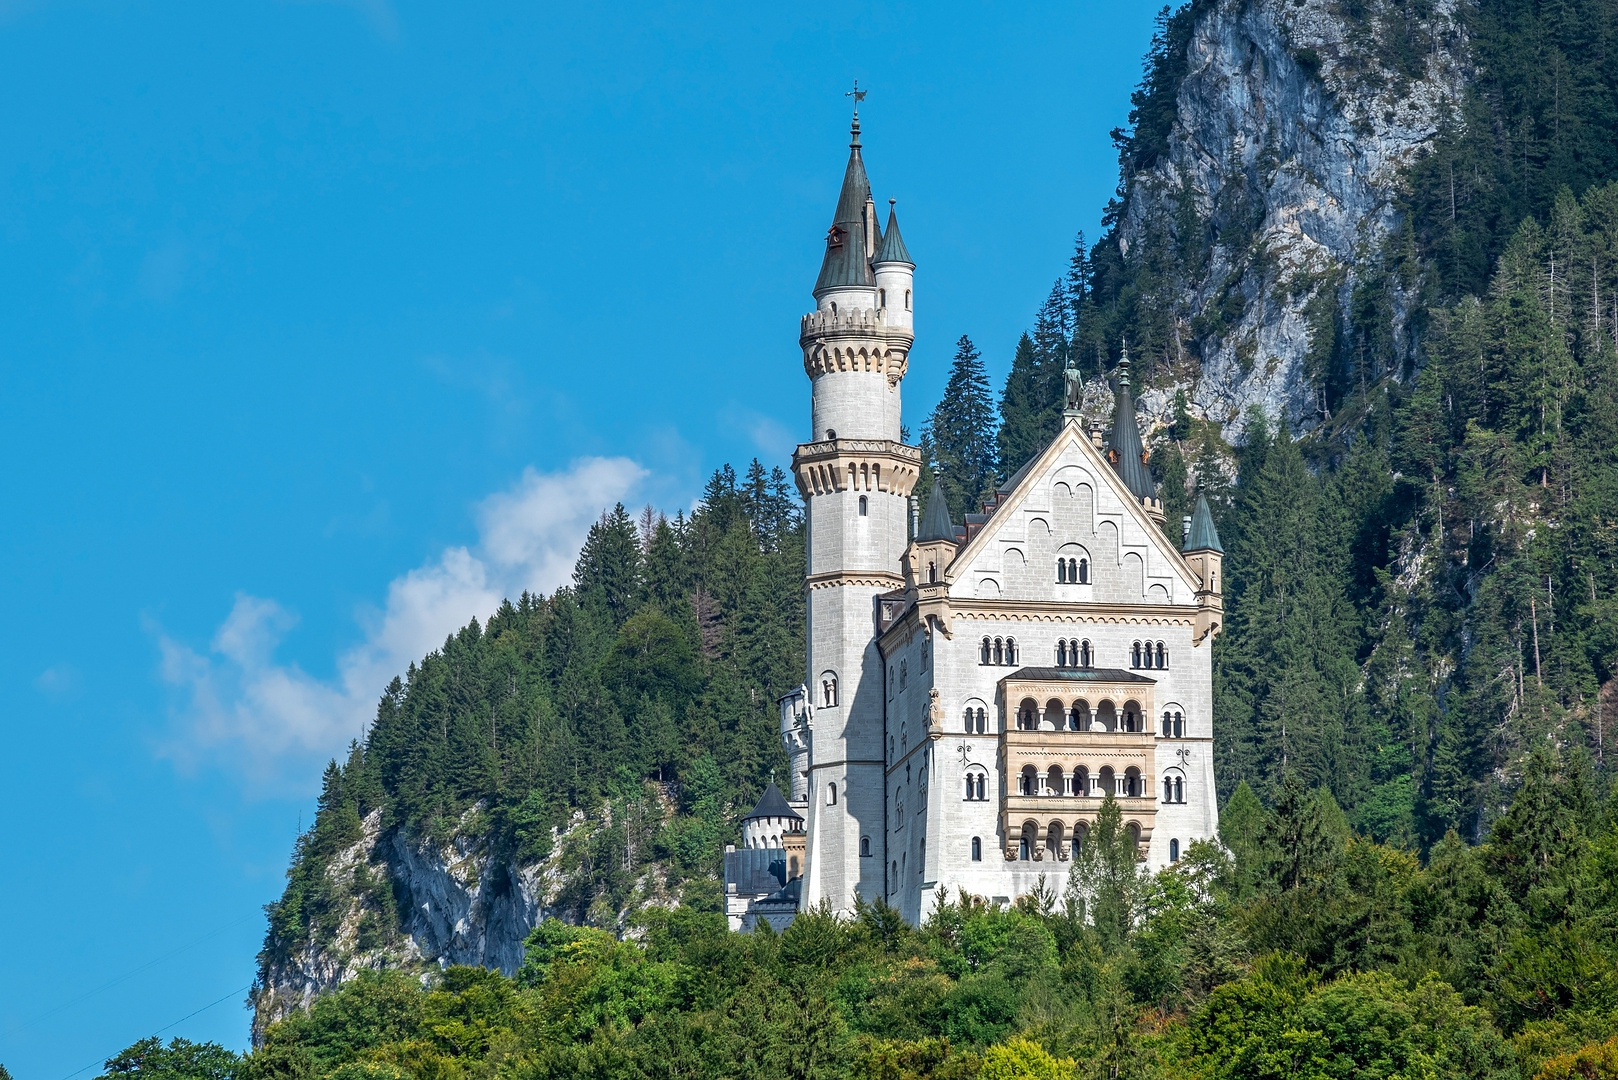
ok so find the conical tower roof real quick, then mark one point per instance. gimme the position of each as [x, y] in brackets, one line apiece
[1126, 440]
[845, 262]
[935, 523]
[1203, 536]
[771, 804]
[893, 245]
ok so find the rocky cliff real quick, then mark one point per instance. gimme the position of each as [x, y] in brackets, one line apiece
[412, 903]
[1277, 188]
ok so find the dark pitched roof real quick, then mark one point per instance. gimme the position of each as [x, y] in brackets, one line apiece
[771, 804]
[1126, 441]
[935, 523]
[1203, 536]
[845, 262]
[1068, 674]
[893, 245]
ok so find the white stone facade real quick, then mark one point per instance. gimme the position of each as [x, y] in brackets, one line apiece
[906, 744]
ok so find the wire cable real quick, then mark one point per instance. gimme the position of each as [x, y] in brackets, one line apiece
[131, 973]
[103, 1060]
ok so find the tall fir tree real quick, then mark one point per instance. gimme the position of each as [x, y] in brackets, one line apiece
[960, 434]
[1020, 404]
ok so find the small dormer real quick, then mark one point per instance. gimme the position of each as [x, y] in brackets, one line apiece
[928, 558]
[1204, 555]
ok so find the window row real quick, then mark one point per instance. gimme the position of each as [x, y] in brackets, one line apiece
[998, 651]
[1129, 784]
[1075, 844]
[1074, 653]
[1106, 717]
[1073, 571]
[1146, 654]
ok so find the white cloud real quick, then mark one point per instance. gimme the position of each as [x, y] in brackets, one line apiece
[236, 701]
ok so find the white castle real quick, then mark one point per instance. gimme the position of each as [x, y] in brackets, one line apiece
[973, 691]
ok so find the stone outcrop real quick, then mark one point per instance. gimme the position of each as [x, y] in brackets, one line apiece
[1278, 189]
[455, 902]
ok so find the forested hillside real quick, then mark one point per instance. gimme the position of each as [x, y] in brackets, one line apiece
[1411, 688]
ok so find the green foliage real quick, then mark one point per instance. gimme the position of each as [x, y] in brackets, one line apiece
[181, 1059]
[1316, 953]
[653, 678]
[960, 434]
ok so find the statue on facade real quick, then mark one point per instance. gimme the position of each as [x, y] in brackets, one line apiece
[1072, 387]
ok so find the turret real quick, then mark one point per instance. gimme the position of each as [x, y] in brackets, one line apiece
[1127, 454]
[1204, 555]
[895, 274]
[928, 558]
[856, 477]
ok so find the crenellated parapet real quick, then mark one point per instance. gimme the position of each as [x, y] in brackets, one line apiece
[876, 465]
[860, 339]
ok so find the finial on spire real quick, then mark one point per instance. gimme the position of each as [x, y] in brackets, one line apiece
[858, 95]
[1123, 364]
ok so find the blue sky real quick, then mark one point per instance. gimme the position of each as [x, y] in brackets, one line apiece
[322, 325]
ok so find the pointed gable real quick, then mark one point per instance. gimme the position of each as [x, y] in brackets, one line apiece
[1069, 502]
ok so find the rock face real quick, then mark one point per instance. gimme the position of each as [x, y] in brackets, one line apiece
[1278, 188]
[452, 903]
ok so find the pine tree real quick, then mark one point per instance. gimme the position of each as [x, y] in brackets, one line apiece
[960, 433]
[1020, 404]
[609, 565]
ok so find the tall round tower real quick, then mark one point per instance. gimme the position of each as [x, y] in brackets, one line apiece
[855, 476]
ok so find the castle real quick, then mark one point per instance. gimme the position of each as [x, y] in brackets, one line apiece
[973, 690]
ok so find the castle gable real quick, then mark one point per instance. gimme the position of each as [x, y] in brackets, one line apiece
[1069, 504]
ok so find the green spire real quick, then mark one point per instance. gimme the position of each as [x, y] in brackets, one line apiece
[935, 524]
[1126, 439]
[1203, 536]
[893, 245]
[845, 262]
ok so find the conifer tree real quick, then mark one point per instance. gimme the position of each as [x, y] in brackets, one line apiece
[609, 564]
[960, 433]
[1020, 405]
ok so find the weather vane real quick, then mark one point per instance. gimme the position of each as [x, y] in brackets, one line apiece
[857, 94]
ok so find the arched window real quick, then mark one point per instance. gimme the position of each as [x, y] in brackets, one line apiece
[983, 721]
[932, 573]
[1011, 650]
[1168, 725]
[904, 673]
[983, 787]
[983, 651]
[1078, 841]
[977, 788]
[1179, 725]
[864, 507]
[834, 307]
[1027, 781]
[793, 872]
[977, 849]
[1085, 656]
[907, 299]
[831, 794]
[1081, 781]
[1134, 655]
[1179, 789]
[1075, 718]
[1061, 571]
[1174, 851]
[882, 298]
[828, 689]
[865, 847]
[1073, 570]
[1168, 789]
[1084, 571]
[1022, 849]
[1162, 655]
[891, 754]
[999, 651]
[1061, 654]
